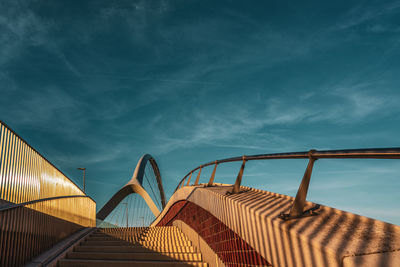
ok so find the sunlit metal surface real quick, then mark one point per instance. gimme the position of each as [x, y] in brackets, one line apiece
[39, 205]
[297, 209]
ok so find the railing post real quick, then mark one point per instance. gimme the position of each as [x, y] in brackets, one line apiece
[198, 176]
[297, 209]
[236, 186]
[181, 184]
[190, 176]
[210, 182]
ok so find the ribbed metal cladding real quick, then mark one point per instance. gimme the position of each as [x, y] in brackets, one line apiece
[31, 229]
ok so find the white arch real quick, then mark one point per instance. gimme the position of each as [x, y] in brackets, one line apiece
[135, 186]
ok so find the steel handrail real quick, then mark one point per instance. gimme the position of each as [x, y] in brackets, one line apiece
[312, 155]
[10, 206]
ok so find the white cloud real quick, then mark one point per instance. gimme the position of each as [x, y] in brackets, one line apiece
[362, 14]
[347, 103]
[19, 27]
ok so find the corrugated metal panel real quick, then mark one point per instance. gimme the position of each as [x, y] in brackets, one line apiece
[25, 176]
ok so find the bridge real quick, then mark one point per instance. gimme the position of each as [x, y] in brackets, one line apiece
[47, 220]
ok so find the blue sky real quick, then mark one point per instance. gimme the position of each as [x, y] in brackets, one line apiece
[96, 84]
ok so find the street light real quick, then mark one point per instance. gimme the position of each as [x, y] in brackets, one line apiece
[84, 172]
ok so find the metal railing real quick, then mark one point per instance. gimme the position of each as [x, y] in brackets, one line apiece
[297, 209]
[10, 206]
[39, 205]
[28, 229]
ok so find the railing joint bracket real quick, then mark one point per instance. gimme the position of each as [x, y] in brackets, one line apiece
[307, 213]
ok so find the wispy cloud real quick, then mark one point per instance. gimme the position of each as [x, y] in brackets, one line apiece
[19, 27]
[354, 102]
[44, 106]
[344, 104]
[362, 14]
[137, 16]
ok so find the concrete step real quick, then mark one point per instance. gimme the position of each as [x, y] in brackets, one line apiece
[116, 234]
[164, 235]
[108, 238]
[117, 242]
[170, 241]
[163, 243]
[119, 234]
[145, 241]
[135, 245]
[106, 243]
[162, 228]
[132, 249]
[144, 238]
[160, 246]
[163, 231]
[149, 256]
[171, 230]
[117, 263]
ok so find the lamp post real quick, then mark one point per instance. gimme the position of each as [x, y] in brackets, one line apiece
[84, 172]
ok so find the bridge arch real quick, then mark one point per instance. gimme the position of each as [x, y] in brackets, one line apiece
[135, 185]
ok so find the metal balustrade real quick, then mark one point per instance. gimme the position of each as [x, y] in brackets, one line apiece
[39, 205]
[297, 209]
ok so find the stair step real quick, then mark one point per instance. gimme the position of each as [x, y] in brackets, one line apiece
[145, 238]
[164, 235]
[118, 263]
[128, 244]
[116, 234]
[162, 243]
[163, 231]
[106, 243]
[132, 249]
[135, 256]
[158, 246]
[108, 238]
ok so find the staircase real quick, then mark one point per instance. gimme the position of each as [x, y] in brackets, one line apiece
[134, 246]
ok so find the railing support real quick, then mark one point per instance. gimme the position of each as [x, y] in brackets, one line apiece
[211, 181]
[198, 176]
[182, 183]
[236, 186]
[297, 209]
[190, 176]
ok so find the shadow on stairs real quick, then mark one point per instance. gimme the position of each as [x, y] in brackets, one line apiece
[135, 246]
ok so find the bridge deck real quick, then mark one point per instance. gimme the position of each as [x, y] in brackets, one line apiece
[332, 238]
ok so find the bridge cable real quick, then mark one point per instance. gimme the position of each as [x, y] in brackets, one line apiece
[155, 197]
[151, 186]
[155, 184]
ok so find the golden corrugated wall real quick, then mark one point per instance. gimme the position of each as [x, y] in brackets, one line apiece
[29, 229]
[26, 176]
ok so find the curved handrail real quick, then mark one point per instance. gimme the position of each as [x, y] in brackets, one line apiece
[10, 206]
[376, 153]
[297, 209]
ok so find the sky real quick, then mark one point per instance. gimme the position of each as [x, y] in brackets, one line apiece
[97, 84]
